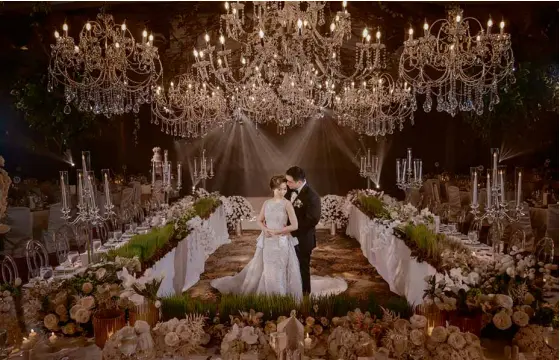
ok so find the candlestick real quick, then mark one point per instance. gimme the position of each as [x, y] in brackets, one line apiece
[398, 171]
[518, 172]
[153, 173]
[409, 159]
[474, 172]
[495, 153]
[80, 189]
[488, 191]
[179, 174]
[502, 187]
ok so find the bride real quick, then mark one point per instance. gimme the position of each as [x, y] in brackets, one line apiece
[274, 269]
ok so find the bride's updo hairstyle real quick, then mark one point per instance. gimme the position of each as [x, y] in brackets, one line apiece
[276, 181]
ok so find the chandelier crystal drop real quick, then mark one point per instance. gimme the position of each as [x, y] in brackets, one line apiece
[107, 72]
[458, 62]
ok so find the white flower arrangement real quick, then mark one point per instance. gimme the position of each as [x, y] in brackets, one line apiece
[243, 339]
[237, 209]
[332, 210]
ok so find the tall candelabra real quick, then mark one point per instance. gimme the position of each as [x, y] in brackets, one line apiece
[409, 173]
[201, 169]
[370, 169]
[88, 211]
[496, 209]
[161, 176]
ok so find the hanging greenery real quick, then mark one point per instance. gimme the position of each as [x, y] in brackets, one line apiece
[532, 100]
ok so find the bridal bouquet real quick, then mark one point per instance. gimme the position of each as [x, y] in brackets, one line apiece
[332, 210]
[237, 209]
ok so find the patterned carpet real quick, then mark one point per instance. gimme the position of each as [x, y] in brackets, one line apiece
[336, 255]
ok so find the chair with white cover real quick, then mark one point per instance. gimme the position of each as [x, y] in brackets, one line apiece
[37, 257]
[82, 236]
[102, 231]
[67, 234]
[20, 221]
[9, 270]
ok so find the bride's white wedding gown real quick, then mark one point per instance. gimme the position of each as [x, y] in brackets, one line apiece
[274, 269]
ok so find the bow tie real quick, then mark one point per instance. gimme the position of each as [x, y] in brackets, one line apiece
[296, 192]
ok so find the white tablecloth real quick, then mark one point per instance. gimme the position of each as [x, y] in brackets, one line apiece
[184, 264]
[390, 256]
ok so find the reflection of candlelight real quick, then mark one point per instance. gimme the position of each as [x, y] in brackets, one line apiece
[430, 329]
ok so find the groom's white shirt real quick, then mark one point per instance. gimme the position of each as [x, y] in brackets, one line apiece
[296, 194]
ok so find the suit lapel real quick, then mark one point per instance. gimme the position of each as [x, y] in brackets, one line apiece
[299, 195]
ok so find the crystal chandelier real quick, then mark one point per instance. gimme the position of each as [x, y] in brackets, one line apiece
[190, 108]
[270, 69]
[458, 65]
[107, 72]
[370, 101]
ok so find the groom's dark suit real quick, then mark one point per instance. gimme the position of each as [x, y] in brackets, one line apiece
[307, 207]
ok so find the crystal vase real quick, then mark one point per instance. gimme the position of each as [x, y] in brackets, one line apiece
[105, 324]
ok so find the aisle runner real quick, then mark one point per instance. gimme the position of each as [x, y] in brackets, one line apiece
[390, 256]
[183, 265]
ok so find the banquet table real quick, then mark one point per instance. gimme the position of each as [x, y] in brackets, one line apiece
[183, 265]
[392, 258]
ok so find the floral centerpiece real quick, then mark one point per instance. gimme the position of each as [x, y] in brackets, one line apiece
[333, 212]
[179, 337]
[143, 292]
[237, 209]
[10, 311]
[67, 306]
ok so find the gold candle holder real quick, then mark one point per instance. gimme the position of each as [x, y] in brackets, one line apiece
[105, 324]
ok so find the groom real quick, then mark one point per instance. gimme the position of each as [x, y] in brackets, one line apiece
[307, 206]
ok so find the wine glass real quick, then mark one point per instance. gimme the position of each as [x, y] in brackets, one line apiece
[73, 257]
[473, 236]
[128, 345]
[96, 244]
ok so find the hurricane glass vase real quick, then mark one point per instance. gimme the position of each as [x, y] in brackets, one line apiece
[146, 311]
[106, 323]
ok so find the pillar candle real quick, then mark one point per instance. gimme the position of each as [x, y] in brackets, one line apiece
[519, 190]
[502, 187]
[80, 190]
[475, 190]
[488, 192]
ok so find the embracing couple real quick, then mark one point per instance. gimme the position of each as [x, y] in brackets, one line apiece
[281, 264]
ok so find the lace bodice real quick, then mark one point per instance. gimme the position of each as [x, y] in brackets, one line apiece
[275, 214]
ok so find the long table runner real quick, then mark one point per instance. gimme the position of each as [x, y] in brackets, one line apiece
[183, 265]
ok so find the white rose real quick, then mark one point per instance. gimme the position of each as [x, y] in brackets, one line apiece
[17, 282]
[51, 321]
[87, 302]
[171, 339]
[100, 273]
